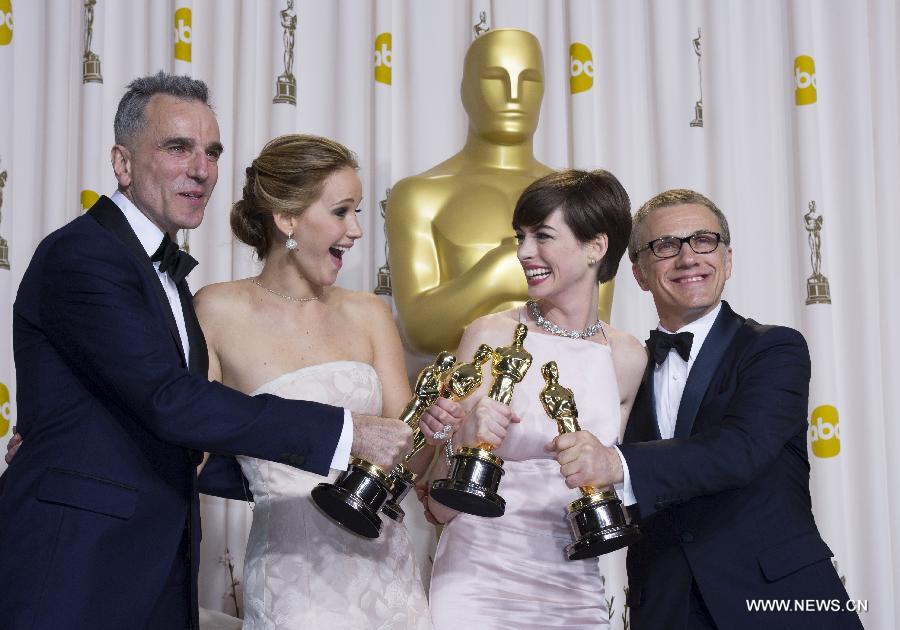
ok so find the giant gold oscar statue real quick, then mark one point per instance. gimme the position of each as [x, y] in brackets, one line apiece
[452, 247]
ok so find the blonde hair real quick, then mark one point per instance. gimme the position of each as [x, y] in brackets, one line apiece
[286, 177]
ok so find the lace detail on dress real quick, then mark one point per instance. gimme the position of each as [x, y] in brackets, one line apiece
[302, 570]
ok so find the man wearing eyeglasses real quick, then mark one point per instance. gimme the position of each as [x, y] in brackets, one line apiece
[713, 462]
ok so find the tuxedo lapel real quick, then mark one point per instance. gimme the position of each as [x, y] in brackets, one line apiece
[642, 425]
[198, 362]
[714, 347]
[108, 214]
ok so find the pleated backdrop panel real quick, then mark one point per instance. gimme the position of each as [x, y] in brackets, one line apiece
[784, 113]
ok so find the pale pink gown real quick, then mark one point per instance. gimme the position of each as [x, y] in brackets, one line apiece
[511, 571]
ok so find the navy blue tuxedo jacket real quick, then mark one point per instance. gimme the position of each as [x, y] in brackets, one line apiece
[103, 492]
[726, 502]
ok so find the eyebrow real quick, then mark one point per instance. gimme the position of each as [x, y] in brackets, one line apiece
[346, 200]
[694, 233]
[215, 147]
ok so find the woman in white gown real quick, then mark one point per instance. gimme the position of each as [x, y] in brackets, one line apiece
[292, 333]
[572, 228]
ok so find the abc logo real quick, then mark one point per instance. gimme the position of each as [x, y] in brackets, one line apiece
[5, 410]
[88, 198]
[383, 58]
[183, 34]
[824, 431]
[6, 23]
[804, 80]
[581, 68]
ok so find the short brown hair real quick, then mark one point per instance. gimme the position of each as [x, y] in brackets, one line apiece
[674, 197]
[592, 203]
[288, 176]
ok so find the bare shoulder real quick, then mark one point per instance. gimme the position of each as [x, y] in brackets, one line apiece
[629, 354]
[493, 328]
[363, 308]
[362, 302]
[221, 298]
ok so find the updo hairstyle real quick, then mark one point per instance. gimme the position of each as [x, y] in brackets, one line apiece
[287, 177]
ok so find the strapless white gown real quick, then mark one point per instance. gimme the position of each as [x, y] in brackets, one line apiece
[301, 569]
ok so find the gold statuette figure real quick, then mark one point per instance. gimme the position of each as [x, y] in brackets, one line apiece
[452, 248]
[462, 381]
[597, 519]
[471, 485]
[355, 497]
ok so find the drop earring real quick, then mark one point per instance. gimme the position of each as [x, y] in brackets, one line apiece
[290, 243]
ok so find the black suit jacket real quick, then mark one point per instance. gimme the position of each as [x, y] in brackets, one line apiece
[103, 492]
[726, 502]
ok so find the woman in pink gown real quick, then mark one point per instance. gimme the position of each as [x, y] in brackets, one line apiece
[572, 228]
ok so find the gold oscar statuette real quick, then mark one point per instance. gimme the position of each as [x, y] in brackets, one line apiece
[452, 247]
[474, 476]
[462, 381]
[355, 497]
[597, 519]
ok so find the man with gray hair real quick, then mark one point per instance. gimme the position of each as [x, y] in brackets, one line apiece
[713, 460]
[99, 506]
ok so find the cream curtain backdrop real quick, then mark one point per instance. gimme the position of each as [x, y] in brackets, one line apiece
[799, 111]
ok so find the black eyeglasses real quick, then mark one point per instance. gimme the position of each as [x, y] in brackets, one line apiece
[701, 242]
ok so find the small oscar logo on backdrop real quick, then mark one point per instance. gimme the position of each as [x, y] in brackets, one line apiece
[698, 105]
[5, 409]
[581, 68]
[286, 84]
[4, 246]
[90, 64]
[482, 26]
[88, 199]
[183, 34]
[824, 431]
[383, 277]
[805, 80]
[817, 289]
[383, 58]
[6, 22]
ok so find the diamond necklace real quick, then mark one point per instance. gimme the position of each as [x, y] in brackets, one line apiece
[289, 298]
[535, 311]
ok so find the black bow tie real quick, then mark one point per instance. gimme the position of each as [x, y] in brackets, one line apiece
[660, 343]
[172, 260]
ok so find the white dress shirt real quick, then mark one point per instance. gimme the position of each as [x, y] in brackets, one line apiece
[669, 380]
[150, 237]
